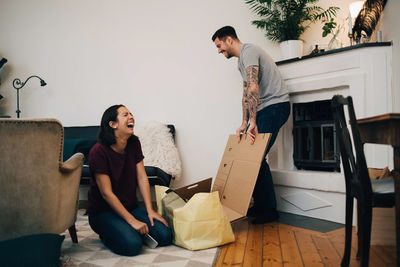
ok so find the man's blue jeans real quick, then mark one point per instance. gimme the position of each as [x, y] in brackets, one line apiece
[269, 120]
[120, 237]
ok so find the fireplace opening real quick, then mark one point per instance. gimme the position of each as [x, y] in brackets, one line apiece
[314, 137]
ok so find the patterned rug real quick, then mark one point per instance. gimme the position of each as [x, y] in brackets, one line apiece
[90, 252]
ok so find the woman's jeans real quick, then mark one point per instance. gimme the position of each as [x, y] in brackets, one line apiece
[269, 120]
[122, 238]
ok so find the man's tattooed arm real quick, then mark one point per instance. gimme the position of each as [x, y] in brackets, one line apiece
[245, 104]
[251, 95]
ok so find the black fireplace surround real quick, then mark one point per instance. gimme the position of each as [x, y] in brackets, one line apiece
[315, 145]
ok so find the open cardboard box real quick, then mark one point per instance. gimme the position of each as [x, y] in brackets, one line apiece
[236, 176]
[375, 173]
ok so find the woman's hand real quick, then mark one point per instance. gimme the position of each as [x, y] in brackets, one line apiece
[104, 183]
[154, 215]
[139, 226]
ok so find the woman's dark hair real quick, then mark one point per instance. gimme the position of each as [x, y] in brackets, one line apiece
[106, 134]
[224, 32]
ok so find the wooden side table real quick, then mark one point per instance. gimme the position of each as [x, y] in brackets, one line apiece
[385, 129]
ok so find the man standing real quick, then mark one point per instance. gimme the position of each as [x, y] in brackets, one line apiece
[266, 108]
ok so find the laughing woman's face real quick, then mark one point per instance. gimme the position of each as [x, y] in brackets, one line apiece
[125, 122]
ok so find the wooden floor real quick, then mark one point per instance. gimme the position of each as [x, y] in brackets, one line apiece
[277, 244]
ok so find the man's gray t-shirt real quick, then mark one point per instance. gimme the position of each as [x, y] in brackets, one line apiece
[270, 82]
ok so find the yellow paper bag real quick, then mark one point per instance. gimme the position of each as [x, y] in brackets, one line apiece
[170, 202]
[202, 223]
[160, 193]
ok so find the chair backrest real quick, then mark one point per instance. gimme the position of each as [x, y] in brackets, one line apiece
[79, 139]
[92, 131]
[83, 138]
[36, 197]
[358, 183]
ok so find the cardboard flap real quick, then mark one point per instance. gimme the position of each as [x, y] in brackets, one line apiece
[244, 150]
[238, 171]
[188, 191]
[240, 185]
[231, 214]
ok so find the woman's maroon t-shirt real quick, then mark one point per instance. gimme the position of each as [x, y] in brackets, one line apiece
[121, 168]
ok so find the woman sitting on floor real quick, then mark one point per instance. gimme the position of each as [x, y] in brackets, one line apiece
[116, 167]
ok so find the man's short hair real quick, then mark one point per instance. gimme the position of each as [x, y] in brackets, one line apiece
[224, 32]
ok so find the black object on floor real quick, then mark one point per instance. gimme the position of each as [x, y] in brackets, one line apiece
[309, 223]
[267, 216]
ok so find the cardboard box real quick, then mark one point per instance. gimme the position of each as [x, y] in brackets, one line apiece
[237, 173]
[236, 176]
[188, 191]
[200, 223]
[383, 229]
[375, 173]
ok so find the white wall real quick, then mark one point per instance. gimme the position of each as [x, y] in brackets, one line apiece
[156, 57]
[390, 29]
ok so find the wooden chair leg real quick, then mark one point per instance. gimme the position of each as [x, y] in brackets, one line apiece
[348, 231]
[366, 235]
[72, 233]
[359, 230]
[396, 176]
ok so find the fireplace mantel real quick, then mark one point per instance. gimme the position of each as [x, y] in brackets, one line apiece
[334, 51]
[362, 71]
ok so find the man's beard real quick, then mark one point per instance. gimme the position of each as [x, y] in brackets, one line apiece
[228, 55]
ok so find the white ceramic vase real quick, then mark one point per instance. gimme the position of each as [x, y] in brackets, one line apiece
[291, 49]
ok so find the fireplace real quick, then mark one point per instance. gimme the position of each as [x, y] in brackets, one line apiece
[307, 175]
[315, 145]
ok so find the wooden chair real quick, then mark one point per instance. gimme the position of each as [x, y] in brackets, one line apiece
[379, 193]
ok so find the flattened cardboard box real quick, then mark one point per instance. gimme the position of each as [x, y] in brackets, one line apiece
[236, 176]
[237, 173]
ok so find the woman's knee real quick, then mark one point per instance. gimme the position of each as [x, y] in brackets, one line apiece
[126, 247]
[133, 248]
[164, 236]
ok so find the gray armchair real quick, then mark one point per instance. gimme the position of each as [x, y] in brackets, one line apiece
[39, 192]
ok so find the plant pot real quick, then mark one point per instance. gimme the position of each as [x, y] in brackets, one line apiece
[291, 49]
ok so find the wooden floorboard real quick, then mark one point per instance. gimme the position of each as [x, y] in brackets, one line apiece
[277, 244]
[327, 252]
[308, 250]
[290, 251]
[235, 251]
[253, 252]
[272, 253]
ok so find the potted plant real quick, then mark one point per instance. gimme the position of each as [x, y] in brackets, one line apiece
[284, 21]
[332, 28]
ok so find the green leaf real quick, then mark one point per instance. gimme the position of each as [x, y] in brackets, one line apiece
[288, 19]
